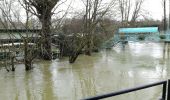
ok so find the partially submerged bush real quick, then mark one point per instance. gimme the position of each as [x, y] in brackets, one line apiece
[122, 37]
[162, 36]
[141, 37]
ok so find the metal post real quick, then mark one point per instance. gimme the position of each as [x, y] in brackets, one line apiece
[169, 15]
[168, 94]
[164, 15]
[164, 91]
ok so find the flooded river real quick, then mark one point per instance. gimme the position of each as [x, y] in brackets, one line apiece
[122, 67]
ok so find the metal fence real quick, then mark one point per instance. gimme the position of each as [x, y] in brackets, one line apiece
[165, 91]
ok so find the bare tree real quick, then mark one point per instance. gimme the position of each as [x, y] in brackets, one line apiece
[26, 46]
[137, 11]
[130, 10]
[124, 8]
[95, 10]
[43, 9]
[6, 21]
[29, 53]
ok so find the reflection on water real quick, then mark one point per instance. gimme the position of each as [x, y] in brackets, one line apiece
[122, 67]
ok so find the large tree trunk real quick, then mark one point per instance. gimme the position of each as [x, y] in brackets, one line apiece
[12, 63]
[89, 43]
[88, 48]
[75, 53]
[28, 65]
[73, 57]
[46, 51]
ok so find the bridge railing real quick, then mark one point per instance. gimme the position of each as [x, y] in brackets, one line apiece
[165, 90]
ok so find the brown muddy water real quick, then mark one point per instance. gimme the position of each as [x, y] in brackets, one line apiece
[135, 64]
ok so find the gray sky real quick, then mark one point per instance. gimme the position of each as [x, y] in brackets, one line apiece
[153, 7]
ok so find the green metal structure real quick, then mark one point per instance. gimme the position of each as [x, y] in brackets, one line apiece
[151, 34]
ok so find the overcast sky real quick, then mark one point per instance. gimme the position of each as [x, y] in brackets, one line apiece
[154, 7]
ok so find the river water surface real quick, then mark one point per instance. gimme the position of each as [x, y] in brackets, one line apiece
[122, 67]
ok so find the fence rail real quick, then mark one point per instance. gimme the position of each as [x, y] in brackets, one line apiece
[19, 30]
[165, 90]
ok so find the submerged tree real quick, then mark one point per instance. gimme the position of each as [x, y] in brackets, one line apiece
[94, 12]
[43, 9]
[25, 45]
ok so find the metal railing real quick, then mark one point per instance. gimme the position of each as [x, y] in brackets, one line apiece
[165, 91]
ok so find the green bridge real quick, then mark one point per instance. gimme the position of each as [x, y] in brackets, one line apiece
[151, 34]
